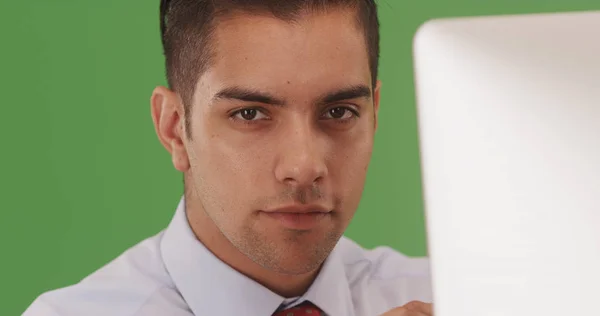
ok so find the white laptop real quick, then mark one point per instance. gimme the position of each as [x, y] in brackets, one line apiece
[509, 124]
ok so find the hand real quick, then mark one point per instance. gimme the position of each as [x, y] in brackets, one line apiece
[414, 308]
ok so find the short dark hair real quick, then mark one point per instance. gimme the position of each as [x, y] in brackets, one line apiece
[187, 26]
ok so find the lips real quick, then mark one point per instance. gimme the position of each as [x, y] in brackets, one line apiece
[299, 217]
[298, 221]
[300, 209]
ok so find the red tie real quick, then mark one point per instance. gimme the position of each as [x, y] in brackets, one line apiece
[304, 309]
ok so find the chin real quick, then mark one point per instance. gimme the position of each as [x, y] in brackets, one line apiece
[290, 253]
[291, 259]
[297, 268]
[302, 259]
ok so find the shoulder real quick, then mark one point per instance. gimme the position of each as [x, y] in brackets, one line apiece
[386, 275]
[135, 283]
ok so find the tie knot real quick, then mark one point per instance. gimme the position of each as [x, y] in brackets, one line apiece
[304, 309]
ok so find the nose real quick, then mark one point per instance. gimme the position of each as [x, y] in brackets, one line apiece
[302, 160]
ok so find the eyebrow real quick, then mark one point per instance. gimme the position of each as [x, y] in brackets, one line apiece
[254, 95]
[349, 93]
[247, 95]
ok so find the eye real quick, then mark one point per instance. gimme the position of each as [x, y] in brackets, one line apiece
[249, 114]
[340, 113]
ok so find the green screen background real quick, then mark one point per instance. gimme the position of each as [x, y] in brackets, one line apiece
[82, 174]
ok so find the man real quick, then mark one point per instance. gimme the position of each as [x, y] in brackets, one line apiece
[270, 115]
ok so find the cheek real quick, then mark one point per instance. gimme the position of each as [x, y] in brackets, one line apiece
[350, 161]
[229, 163]
[222, 174]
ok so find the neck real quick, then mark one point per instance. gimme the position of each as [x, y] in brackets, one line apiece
[211, 237]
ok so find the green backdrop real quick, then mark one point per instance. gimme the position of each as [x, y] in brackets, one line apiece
[82, 174]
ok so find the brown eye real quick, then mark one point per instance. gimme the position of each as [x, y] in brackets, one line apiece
[340, 113]
[248, 114]
[337, 113]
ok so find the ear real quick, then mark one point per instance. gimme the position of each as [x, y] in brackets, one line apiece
[168, 115]
[376, 98]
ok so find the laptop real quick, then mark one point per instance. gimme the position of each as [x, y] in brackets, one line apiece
[509, 126]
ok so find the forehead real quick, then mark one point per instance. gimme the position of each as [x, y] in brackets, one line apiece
[324, 49]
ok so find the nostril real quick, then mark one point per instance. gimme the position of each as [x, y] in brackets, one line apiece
[318, 180]
[290, 181]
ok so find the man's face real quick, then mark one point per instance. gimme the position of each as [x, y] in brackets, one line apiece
[283, 123]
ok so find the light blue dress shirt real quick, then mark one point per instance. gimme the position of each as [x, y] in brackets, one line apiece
[173, 274]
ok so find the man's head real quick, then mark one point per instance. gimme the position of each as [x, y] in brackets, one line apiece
[272, 111]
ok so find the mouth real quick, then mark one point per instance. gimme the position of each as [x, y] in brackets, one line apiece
[299, 218]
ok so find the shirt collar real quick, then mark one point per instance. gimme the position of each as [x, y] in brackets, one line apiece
[209, 286]
[330, 291]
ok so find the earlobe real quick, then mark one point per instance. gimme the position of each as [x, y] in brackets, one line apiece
[167, 115]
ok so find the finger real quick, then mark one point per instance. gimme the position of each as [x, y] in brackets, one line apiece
[417, 306]
[401, 311]
[414, 308]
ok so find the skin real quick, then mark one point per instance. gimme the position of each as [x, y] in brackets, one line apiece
[414, 308]
[303, 151]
